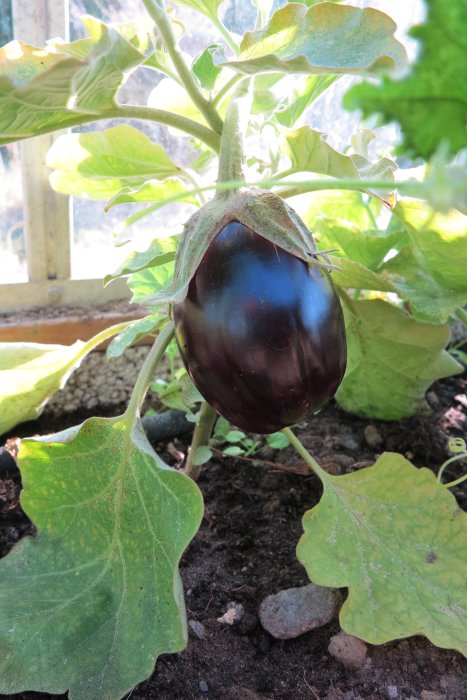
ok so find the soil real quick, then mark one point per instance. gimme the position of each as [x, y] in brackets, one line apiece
[245, 551]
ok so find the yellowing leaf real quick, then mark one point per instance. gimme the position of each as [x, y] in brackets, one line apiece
[395, 537]
[325, 38]
[90, 602]
[392, 360]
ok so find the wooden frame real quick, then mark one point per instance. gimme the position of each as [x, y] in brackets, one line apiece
[48, 224]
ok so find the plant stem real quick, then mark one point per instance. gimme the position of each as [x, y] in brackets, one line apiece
[462, 315]
[455, 482]
[303, 452]
[462, 455]
[225, 89]
[150, 363]
[222, 29]
[156, 11]
[231, 156]
[161, 116]
[201, 437]
[107, 333]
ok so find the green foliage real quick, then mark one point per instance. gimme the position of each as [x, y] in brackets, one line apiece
[391, 533]
[324, 38]
[434, 87]
[204, 68]
[99, 586]
[392, 360]
[99, 165]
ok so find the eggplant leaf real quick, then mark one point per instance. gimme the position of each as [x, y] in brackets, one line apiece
[160, 252]
[392, 360]
[98, 165]
[43, 91]
[133, 332]
[90, 602]
[325, 38]
[392, 534]
[31, 373]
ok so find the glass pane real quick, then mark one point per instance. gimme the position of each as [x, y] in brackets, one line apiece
[12, 247]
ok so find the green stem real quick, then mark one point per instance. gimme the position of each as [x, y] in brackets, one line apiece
[455, 482]
[161, 116]
[99, 338]
[156, 11]
[147, 370]
[201, 437]
[306, 456]
[449, 461]
[231, 156]
[222, 29]
[226, 88]
[462, 315]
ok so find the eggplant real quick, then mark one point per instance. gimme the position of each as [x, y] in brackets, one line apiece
[261, 332]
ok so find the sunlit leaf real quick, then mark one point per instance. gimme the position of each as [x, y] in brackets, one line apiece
[153, 191]
[91, 601]
[97, 165]
[405, 574]
[204, 68]
[430, 104]
[426, 297]
[133, 332]
[356, 276]
[325, 38]
[209, 8]
[31, 373]
[308, 150]
[392, 360]
[440, 241]
[304, 93]
[147, 282]
[159, 252]
[43, 91]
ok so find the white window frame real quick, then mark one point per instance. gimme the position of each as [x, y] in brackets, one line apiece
[48, 214]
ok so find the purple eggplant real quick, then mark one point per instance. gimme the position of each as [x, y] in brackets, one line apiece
[261, 332]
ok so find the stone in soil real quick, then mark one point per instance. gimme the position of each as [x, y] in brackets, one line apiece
[349, 650]
[294, 611]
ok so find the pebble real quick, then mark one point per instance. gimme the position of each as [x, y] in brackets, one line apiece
[347, 649]
[197, 628]
[294, 611]
[372, 436]
[349, 442]
[431, 695]
[392, 692]
[233, 614]
[203, 686]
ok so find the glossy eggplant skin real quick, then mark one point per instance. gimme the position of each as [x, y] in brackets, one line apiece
[261, 333]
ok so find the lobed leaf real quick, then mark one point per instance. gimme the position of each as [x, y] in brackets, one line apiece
[99, 165]
[204, 68]
[405, 575]
[435, 86]
[42, 90]
[325, 38]
[90, 602]
[159, 252]
[392, 360]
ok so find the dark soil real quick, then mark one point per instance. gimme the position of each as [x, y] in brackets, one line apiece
[245, 550]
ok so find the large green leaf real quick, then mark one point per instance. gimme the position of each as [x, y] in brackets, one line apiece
[346, 206]
[133, 332]
[368, 247]
[92, 600]
[155, 191]
[427, 298]
[41, 90]
[309, 151]
[440, 241]
[307, 89]
[405, 576]
[325, 38]
[145, 283]
[435, 87]
[31, 373]
[392, 360]
[353, 274]
[97, 165]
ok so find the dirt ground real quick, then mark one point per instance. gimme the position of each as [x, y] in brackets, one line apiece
[245, 551]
